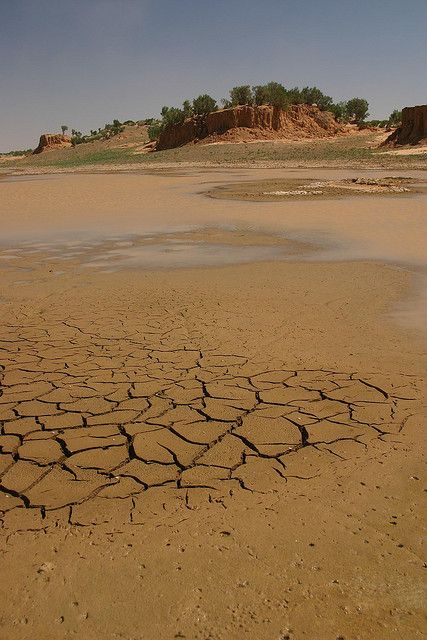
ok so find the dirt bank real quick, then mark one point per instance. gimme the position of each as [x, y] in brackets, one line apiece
[246, 123]
[413, 129]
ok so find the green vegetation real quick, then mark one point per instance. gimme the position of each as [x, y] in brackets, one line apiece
[357, 110]
[395, 118]
[103, 133]
[204, 104]
[276, 94]
[240, 96]
[273, 94]
[172, 115]
[17, 152]
[154, 129]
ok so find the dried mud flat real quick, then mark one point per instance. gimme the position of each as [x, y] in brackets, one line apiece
[297, 189]
[208, 453]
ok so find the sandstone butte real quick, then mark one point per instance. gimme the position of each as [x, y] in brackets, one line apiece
[52, 141]
[246, 123]
[413, 129]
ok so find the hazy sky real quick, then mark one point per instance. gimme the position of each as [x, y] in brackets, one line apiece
[85, 62]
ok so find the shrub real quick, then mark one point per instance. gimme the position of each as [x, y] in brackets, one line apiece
[172, 115]
[272, 93]
[313, 95]
[204, 104]
[76, 137]
[339, 109]
[187, 109]
[259, 93]
[154, 130]
[395, 118]
[294, 96]
[241, 95]
[276, 95]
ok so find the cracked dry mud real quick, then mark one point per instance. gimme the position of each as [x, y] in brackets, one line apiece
[89, 416]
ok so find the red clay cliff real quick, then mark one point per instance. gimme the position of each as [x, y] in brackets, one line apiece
[413, 129]
[246, 123]
[52, 141]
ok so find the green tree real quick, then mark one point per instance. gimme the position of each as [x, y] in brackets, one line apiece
[357, 110]
[277, 95]
[294, 96]
[241, 95]
[204, 104]
[64, 128]
[272, 93]
[313, 95]
[172, 115]
[395, 118]
[339, 109]
[187, 109]
[259, 93]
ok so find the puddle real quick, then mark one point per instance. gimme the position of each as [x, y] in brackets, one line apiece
[180, 253]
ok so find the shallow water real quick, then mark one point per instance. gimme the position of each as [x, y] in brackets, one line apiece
[178, 254]
[70, 215]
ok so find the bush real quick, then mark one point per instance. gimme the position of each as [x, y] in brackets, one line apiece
[154, 130]
[259, 93]
[294, 96]
[339, 109]
[241, 95]
[204, 104]
[187, 109]
[76, 137]
[395, 118]
[172, 115]
[313, 95]
[272, 93]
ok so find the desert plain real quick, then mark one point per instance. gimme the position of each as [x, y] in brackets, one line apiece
[213, 408]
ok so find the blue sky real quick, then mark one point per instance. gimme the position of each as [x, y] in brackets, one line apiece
[85, 62]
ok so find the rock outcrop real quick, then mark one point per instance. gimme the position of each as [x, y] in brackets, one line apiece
[413, 129]
[245, 123]
[52, 141]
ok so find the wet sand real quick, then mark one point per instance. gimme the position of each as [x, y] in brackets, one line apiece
[203, 446]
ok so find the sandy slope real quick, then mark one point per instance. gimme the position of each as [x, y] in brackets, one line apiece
[223, 452]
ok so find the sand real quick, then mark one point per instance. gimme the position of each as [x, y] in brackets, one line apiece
[203, 446]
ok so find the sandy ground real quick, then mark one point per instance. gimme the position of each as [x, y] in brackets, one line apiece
[408, 152]
[229, 449]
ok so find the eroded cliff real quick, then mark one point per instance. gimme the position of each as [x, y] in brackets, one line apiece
[246, 123]
[52, 141]
[413, 129]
